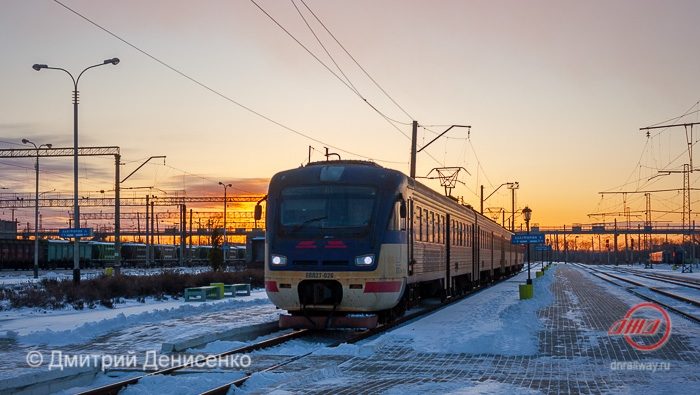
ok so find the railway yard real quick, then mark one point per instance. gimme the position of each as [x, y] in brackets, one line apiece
[487, 341]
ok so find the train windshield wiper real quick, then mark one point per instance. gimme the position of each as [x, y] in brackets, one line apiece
[308, 221]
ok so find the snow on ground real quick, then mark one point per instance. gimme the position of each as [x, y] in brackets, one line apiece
[31, 326]
[184, 384]
[463, 388]
[217, 347]
[130, 329]
[680, 323]
[494, 321]
[662, 268]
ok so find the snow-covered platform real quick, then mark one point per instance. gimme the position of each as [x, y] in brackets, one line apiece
[492, 342]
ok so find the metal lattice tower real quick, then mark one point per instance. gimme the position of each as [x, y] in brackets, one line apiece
[686, 195]
[448, 177]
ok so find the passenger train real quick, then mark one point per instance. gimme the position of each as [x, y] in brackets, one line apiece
[350, 243]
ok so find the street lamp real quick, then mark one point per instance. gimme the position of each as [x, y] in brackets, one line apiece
[76, 209]
[527, 213]
[36, 206]
[226, 186]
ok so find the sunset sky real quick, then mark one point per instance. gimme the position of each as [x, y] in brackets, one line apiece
[555, 92]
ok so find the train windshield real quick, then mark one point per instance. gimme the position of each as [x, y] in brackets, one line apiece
[337, 210]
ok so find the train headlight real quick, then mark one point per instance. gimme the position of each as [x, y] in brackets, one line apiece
[278, 260]
[364, 260]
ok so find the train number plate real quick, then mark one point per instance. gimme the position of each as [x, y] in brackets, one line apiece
[319, 275]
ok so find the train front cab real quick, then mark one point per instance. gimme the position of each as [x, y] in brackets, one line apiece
[336, 244]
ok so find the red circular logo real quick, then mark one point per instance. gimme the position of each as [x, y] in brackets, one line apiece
[630, 326]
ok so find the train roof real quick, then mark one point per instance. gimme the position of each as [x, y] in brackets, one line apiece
[338, 171]
[367, 170]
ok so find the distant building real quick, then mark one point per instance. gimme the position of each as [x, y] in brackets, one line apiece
[255, 247]
[8, 229]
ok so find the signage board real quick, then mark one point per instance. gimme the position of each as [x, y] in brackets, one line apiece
[527, 238]
[543, 247]
[70, 233]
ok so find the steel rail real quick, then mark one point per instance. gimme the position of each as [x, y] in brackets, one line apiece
[600, 274]
[659, 277]
[114, 388]
[224, 389]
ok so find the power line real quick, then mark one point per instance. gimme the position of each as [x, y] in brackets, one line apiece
[212, 90]
[357, 93]
[358, 64]
[688, 112]
[354, 88]
[206, 178]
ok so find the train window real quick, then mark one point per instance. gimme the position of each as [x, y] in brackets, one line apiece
[419, 235]
[427, 224]
[432, 227]
[443, 228]
[438, 236]
[459, 233]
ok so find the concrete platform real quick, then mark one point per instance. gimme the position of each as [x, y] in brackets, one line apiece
[574, 354]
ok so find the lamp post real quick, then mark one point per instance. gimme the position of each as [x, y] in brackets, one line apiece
[36, 206]
[226, 186]
[76, 209]
[527, 213]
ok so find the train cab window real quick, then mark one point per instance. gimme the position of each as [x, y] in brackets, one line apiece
[334, 209]
[396, 222]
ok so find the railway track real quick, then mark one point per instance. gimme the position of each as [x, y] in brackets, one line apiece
[355, 337]
[606, 276]
[690, 283]
[114, 388]
[223, 389]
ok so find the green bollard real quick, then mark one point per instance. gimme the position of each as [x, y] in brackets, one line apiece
[221, 289]
[526, 291]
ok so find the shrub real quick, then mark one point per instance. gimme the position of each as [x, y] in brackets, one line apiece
[106, 290]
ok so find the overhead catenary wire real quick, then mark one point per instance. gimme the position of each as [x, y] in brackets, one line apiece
[208, 179]
[221, 95]
[347, 83]
[359, 65]
[355, 91]
[645, 180]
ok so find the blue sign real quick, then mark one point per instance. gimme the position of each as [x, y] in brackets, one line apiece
[543, 248]
[70, 233]
[527, 238]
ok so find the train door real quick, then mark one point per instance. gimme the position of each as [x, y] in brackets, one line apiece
[475, 253]
[410, 237]
[448, 242]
